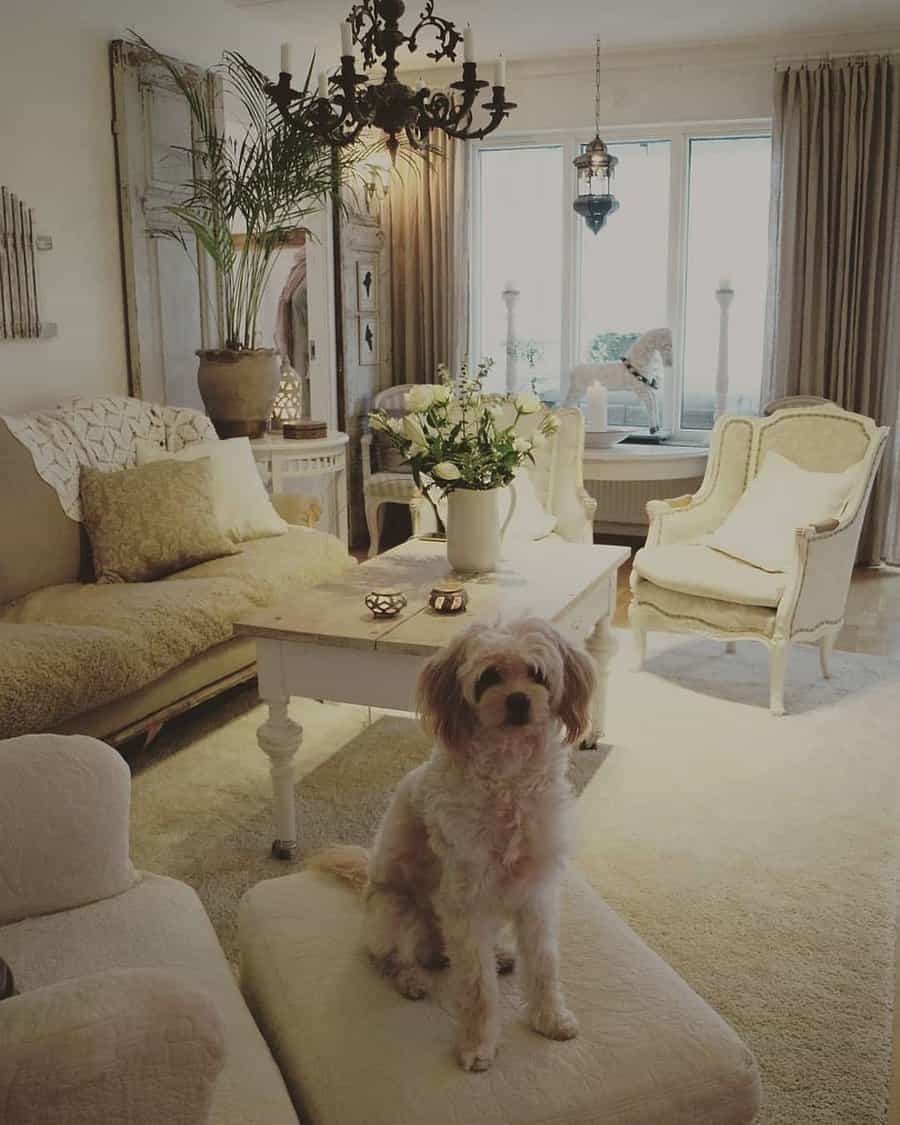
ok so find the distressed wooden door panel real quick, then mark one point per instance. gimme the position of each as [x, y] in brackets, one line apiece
[172, 297]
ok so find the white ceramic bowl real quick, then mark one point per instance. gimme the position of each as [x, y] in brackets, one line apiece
[605, 439]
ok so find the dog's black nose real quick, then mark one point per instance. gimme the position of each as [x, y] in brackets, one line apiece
[518, 708]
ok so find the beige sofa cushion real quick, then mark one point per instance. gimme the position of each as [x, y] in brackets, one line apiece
[689, 568]
[158, 923]
[240, 501]
[354, 1052]
[147, 522]
[67, 649]
[41, 545]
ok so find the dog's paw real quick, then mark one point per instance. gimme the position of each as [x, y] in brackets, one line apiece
[476, 1059]
[555, 1023]
[412, 984]
[506, 962]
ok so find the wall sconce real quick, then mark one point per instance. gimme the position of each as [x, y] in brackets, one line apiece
[377, 185]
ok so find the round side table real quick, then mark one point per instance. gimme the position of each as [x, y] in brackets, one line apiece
[280, 459]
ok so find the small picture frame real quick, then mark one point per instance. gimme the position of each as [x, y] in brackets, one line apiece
[366, 286]
[368, 341]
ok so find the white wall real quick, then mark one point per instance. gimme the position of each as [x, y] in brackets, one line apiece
[56, 153]
[711, 82]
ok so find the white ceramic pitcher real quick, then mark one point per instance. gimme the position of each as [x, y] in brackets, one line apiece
[474, 532]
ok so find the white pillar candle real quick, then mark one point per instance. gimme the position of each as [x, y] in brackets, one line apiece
[596, 408]
[323, 84]
[468, 44]
[285, 58]
[346, 38]
[500, 72]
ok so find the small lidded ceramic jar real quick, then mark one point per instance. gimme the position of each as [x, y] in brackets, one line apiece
[385, 603]
[448, 597]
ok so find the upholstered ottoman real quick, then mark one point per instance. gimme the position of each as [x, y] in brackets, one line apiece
[354, 1052]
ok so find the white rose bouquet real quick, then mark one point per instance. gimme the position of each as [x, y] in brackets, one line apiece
[452, 435]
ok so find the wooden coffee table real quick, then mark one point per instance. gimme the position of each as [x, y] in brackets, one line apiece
[325, 644]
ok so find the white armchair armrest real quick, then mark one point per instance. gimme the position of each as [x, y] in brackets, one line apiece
[64, 804]
[817, 584]
[135, 1045]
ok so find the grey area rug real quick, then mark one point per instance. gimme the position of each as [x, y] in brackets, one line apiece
[224, 852]
[757, 855]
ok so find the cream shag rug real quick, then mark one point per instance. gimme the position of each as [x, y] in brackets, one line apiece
[757, 855]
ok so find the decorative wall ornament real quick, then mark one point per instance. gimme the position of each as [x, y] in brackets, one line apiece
[366, 287]
[19, 315]
[368, 340]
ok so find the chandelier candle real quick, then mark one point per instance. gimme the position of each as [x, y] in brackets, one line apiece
[352, 100]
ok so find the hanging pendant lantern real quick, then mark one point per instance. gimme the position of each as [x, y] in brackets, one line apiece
[595, 168]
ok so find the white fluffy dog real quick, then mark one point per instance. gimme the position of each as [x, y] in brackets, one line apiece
[478, 835]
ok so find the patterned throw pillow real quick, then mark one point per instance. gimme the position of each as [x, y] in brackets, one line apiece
[147, 522]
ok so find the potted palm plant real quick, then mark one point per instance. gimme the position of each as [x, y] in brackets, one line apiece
[247, 198]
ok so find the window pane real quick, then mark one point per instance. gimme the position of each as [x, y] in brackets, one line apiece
[521, 226]
[625, 267]
[728, 230]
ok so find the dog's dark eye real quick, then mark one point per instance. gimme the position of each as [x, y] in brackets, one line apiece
[489, 678]
[538, 676]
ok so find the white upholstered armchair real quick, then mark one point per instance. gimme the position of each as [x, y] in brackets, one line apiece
[556, 476]
[385, 479]
[680, 583]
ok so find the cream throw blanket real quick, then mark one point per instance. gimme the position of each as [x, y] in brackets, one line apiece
[102, 434]
[70, 648]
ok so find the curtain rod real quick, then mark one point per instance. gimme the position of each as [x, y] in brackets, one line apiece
[788, 61]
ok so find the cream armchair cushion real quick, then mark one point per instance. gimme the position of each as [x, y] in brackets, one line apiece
[782, 497]
[691, 568]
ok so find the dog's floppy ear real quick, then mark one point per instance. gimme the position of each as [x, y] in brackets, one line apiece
[577, 690]
[439, 697]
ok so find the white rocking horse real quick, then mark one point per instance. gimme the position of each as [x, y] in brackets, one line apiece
[639, 370]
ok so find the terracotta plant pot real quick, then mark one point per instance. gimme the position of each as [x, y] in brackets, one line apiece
[238, 389]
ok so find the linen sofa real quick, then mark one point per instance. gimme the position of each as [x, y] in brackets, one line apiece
[117, 660]
[127, 1008]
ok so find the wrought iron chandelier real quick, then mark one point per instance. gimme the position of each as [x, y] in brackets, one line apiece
[596, 167]
[349, 101]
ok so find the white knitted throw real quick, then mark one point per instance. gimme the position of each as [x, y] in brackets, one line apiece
[102, 434]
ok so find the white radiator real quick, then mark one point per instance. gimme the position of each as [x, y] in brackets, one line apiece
[622, 505]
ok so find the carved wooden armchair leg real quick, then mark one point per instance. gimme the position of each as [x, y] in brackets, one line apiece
[826, 648]
[373, 523]
[638, 622]
[778, 661]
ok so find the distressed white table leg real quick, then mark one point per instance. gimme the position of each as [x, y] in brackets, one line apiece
[601, 646]
[279, 738]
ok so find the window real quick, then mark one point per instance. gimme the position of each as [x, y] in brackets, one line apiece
[728, 224]
[521, 196]
[625, 268]
[693, 212]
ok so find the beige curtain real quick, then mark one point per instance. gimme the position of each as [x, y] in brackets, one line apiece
[429, 262]
[833, 301]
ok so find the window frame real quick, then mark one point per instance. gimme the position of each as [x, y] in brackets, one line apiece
[679, 136]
